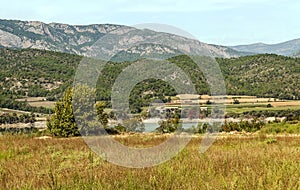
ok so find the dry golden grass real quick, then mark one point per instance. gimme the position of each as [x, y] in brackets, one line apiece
[231, 163]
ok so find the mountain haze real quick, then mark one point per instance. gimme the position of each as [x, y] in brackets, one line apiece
[289, 48]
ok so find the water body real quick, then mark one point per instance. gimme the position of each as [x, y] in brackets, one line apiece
[152, 124]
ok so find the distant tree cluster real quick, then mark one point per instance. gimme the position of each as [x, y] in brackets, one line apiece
[8, 118]
[247, 126]
[7, 101]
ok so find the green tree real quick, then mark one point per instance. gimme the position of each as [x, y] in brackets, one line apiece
[62, 122]
[86, 111]
[102, 116]
[170, 125]
[79, 104]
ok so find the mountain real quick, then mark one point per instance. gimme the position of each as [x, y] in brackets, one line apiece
[80, 39]
[289, 48]
[53, 36]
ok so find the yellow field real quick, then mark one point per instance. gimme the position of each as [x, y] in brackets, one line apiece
[231, 163]
[228, 99]
[285, 103]
[37, 102]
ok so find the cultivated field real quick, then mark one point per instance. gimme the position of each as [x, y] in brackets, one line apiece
[246, 103]
[233, 162]
[47, 104]
[38, 101]
[244, 107]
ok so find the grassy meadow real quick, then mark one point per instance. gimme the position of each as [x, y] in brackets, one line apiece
[266, 159]
[233, 162]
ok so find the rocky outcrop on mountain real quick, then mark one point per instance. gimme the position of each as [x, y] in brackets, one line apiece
[53, 36]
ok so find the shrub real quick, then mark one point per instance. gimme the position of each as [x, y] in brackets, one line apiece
[236, 101]
[271, 140]
[169, 125]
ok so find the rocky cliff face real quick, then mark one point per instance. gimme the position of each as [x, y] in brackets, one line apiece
[79, 39]
[53, 36]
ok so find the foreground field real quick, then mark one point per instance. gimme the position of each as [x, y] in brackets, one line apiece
[231, 163]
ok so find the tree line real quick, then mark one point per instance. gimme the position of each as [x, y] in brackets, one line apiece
[12, 118]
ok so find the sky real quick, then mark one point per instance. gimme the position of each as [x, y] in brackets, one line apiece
[223, 22]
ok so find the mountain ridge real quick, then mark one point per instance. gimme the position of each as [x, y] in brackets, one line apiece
[79, 39]
[287, 48]
[53, 36]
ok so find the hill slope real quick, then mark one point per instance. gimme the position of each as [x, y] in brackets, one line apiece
[45, 73]
[32, 73]
[262, 75]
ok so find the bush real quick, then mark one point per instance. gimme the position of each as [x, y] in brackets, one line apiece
[201, 128]
[120, 128]
[270, 140]
[236, 101]
[169, 126]
[248, 126]
[208, 102]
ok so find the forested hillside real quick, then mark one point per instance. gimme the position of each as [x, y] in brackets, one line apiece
[32, 73]
[36, 72]
[263, 76]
